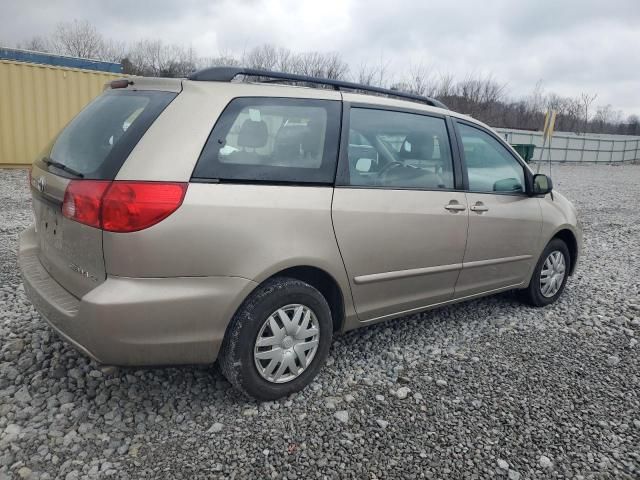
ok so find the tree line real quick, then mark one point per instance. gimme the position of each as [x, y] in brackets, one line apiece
[481, 96]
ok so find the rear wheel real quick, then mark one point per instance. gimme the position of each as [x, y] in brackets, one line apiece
[550, 275]
[278, 340]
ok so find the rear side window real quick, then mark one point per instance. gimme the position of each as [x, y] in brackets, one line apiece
[98, 140]
[273, 140]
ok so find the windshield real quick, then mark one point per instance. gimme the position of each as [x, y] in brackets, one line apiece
[98, 140]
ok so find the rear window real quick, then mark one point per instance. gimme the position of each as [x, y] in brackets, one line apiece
[98, 140]
[273, 140]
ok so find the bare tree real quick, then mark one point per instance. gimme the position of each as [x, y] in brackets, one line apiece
[446, 86]
[77, 39]
[633, 125]
[420, 80]
[603, 116]
[373, 74]
[223, 59]
[536, 100]
[287, 60]
[586, 100]
[365, 74]
[574, 114]
[264, 57]
[156, 59]
[479, 95]
[36, 44]
[317, 64]
[113, 51]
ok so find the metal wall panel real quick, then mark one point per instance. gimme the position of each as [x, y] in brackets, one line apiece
[575, 148]
[28, 56]
[37, 101]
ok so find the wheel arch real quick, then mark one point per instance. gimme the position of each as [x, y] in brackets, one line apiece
[569, 238]
[325, 283]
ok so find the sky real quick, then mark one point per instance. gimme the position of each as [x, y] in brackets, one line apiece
[571, 46]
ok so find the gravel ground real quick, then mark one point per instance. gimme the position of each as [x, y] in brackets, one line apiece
[482, 389]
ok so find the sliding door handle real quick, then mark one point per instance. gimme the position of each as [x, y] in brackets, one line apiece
[455, 207]
[479, 207]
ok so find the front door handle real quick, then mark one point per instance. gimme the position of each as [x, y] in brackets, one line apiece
[479, 207]
[455, 207]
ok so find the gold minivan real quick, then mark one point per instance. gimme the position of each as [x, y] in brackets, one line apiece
[178, 221]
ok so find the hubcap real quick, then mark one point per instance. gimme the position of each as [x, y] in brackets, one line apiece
[552, 274]
[286, 343]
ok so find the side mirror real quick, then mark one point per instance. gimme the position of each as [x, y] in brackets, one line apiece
[364, 165]
[541, 184]
[507, 185]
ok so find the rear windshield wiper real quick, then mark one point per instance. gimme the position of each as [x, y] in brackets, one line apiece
[62, 166]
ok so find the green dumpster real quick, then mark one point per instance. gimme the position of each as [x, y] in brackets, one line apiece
[525, 150]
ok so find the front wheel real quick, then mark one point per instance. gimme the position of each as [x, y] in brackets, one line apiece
[550, 275]
[278, 339]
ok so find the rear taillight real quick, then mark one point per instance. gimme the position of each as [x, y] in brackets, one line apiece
[132, 206]
[121, 206]
[83, 200]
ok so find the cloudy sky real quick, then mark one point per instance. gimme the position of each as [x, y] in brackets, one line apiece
[572, 46]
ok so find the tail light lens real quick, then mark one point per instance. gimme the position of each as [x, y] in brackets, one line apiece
[132, 206]
[121, 206]
[82, 201]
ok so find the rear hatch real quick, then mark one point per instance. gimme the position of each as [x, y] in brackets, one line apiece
[90, 149]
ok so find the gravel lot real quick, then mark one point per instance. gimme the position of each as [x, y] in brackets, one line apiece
[486, 388]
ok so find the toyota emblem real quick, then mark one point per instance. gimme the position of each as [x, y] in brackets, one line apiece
[42, 183]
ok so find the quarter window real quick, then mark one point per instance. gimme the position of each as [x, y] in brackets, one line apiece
[273, 140]
[398, 150]
[490, 166]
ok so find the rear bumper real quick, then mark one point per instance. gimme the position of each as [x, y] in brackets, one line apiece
[136, 321]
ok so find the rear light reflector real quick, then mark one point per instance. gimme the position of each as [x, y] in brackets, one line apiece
[121, 206]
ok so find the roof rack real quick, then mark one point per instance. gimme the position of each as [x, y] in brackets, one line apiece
[226, 74]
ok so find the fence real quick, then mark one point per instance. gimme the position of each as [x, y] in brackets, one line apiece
[36, 101]
[575, 148]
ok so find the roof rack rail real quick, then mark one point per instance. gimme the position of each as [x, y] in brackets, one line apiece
[226, 74]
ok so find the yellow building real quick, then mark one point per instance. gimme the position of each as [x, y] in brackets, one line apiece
[37, 101]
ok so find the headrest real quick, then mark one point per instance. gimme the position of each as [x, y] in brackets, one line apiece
[312, 142]
[417, 146]
[253, 134]
[303, 139]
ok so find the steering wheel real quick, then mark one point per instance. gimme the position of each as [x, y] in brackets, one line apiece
[389, 166]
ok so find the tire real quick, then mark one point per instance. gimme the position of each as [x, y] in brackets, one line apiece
[533, 294]
[237, 360]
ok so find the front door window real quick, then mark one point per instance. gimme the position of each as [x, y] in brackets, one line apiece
[490, 166]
